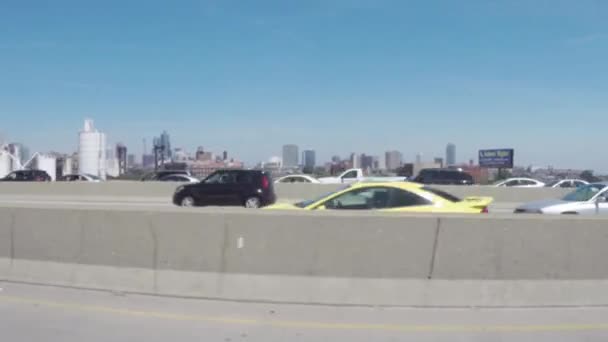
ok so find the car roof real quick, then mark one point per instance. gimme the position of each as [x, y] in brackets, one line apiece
[401, 185]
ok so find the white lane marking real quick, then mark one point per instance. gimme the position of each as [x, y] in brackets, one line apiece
[240, 242]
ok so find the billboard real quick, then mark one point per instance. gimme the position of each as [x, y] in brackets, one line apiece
[496, 158]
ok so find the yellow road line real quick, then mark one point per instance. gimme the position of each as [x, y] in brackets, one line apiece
[311, 324]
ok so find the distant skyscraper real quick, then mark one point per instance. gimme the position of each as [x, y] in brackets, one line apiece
[393, 160]
[121, 156]
[419, 158]
[92, 151]
[290, 155]
[163, 144]
[225, 155]
[367, 162]
[438, 161]
[355, 160]
[309, 160]
[130, 160]
[450, 154]
[165, 140]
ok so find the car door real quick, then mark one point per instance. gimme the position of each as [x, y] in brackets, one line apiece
[243, 187]
[350, 177]
[602, 206]
[223, 191]
[208, 192]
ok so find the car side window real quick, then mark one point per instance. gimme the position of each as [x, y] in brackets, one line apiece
[366, 198]
[513, 182]
[402, 198]
[12, 176]
[527, 182]
[214, 178]
[578, 184]
[566, 184]
[351, 174]
[244, 178]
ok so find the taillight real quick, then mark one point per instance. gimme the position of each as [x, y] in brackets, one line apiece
[265, 182]
[485, 210]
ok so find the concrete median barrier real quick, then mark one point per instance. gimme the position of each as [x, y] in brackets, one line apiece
[329, 258]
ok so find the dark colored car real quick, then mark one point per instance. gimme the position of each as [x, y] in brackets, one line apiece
[444, 176]
[27, 176]
[157, 175]
[248, 188]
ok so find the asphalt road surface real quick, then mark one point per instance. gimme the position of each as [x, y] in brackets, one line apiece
[51, 314]
[105, 202]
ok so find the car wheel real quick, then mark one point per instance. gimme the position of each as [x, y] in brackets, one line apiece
[253, 202]
[187, 201]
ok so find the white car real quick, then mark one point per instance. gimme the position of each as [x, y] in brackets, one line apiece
[567, 183]
[297, 179]
[521, 183]
[179, 178]
[586, 200]
[85, 177]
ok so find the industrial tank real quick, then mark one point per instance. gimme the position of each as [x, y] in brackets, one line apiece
[5, 164]
[92, 151]
[47, 164]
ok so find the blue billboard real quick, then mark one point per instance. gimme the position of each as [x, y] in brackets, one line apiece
[501, 158]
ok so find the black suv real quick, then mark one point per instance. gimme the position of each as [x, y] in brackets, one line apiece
[248, 188]
[27, 176]
[444, 176]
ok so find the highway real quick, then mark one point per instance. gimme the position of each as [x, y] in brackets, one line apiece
[52, 314]
[124, 202]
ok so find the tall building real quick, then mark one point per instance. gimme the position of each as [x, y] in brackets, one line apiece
[225, 155]
[163, 145]
[165, 141]
[130, 160]
[419, 158]
[121, 156]
[367, 162]
[450, 154]
[393, 160]
[290, 155]
[355, 160]
[309, 160]
[92, 151]
[438, 161]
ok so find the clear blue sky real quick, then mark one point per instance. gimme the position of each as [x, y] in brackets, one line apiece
[338, 76]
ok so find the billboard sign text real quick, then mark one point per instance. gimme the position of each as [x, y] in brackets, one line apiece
[496, 158]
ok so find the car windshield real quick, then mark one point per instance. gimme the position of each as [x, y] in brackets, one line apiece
[584, 193]
[552, 183]
[93, 177]
[306, 203]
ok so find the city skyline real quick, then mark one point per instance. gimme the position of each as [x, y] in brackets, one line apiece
[479, 74]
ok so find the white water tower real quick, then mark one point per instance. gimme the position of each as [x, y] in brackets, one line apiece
[92, 151]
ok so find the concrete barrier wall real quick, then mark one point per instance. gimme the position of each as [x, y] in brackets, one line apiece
[284, 191]
[332, 258]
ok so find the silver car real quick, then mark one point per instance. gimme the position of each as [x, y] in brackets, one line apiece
[589, 199]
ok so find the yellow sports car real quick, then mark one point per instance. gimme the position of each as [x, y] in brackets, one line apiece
[392, 197]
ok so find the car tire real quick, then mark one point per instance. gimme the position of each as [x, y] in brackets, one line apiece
[187, 201]
[253, 202]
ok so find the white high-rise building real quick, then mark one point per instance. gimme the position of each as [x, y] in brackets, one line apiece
[92, 151]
